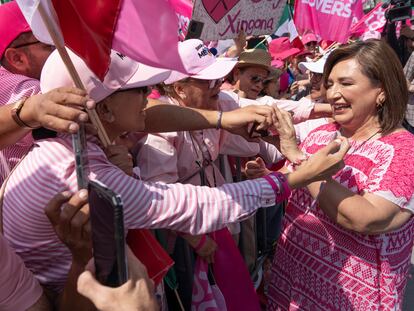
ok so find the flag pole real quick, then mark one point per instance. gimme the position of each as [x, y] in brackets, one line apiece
[93, 116]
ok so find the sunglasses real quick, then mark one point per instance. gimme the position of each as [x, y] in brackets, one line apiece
[211, 83]
[315, 77]
[25, 44]
[257, 79]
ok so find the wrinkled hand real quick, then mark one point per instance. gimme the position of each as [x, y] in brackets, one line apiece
[207, 251]
[119, 156]
[256, 169]
[136, 294]
[69, 216]
[321, 165]
[286, 140]
[59, 110]
[240, 41]
[237, 121]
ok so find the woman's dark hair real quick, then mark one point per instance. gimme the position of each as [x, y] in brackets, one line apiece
[381, 65]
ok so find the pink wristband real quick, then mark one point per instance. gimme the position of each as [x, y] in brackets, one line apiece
[201, 243]
[283, 181]
[281, 194]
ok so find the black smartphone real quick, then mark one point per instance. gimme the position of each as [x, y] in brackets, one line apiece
[254, 133]
[195, 28]
[108, 235]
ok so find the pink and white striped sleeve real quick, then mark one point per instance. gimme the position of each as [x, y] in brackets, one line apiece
[185, 208]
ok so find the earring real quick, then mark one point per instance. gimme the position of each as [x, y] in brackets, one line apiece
[183, 96]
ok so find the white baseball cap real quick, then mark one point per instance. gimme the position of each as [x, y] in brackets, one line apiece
[123, 73]
[316, 67]
[201, 63]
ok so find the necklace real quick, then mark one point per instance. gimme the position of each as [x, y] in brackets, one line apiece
[352, 149]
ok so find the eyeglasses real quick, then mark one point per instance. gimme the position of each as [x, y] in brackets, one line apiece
[25, 44]
[315, 77]
[144, 89]
[257, 79]
[211, 83]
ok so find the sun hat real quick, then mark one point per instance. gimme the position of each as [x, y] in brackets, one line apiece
[316, 66]
[280, 48]
[123, 73]
[200, 62]
[255, 57]
[309, 37]
[12, 24]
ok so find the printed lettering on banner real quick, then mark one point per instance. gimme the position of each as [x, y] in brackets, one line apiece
[223, 19]
[329, 19]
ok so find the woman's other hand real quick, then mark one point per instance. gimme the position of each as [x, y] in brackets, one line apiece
[321, 165]
[256, 169]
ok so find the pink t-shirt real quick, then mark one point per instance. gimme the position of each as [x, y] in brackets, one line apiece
[320, 265]
[18, 288]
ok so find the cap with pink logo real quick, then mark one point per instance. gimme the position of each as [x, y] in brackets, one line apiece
[12, 24]
[123, 73]
[201, 63]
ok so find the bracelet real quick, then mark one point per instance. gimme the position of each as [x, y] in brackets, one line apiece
[283, 181]
[201, 243]
[282, 190]
[15, 114]
[219, 117]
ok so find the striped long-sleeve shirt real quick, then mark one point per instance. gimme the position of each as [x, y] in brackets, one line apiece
[49, 168]
[12, 88]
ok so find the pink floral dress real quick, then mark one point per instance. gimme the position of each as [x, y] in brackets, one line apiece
[320, 265]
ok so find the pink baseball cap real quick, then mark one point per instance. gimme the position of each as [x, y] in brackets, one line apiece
[123, 73]
[12, 24]
[201, 63]
[280, 48]
[309, 37]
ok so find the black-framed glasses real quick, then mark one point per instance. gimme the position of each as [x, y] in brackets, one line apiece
[211, 83]
[25, 44]
[144, 89]
[315, 77]
[257, 79]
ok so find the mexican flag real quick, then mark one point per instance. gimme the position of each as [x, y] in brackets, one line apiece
[286, 24]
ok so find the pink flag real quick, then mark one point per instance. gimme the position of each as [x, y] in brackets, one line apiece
[143, 30]
[373, 21]
[329, 19]
[183, 9]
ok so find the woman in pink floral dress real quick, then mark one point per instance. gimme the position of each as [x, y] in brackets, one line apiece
[347, 242]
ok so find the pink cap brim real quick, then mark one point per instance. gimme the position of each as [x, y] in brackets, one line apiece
[219, 69]
[146, 76]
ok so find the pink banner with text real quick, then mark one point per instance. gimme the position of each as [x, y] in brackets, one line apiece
[329, 19]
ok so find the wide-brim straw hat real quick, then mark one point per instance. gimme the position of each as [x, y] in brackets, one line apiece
[255, 58]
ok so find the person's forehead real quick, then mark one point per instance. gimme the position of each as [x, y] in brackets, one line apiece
[256, 70]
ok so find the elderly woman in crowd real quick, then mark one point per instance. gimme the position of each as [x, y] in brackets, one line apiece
[188, 156]
[346, 242]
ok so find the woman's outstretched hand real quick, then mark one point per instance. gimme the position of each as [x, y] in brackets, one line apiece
[321, 165]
